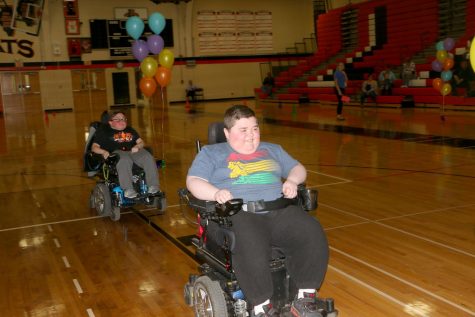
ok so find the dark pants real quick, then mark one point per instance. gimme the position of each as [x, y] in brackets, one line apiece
[300, 237]
[339, 108]
[365, 95]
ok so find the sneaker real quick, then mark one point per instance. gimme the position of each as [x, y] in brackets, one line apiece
[153, 189]
[305, 307]
[130, 193]
[269, 311]
[340, 117]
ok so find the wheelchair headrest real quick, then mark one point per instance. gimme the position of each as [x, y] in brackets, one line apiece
[216, 133]
[105, 117]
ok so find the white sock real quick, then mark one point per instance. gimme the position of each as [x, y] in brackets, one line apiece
[305, 290]
[260, 308]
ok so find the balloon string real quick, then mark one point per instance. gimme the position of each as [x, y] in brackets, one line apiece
[162, 125]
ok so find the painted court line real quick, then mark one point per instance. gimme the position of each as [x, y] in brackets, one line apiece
[354, 279]
[78, 286]
[58, 222]
[66, 262]
[403, 231]
[423, 290]
[328, 175]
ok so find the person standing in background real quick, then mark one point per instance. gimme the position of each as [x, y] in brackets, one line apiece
[341, 81]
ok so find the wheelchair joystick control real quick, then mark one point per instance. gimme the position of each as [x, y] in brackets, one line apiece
[229, 208]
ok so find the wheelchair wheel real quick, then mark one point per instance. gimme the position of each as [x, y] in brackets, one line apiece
[208, 298]
[101, 199]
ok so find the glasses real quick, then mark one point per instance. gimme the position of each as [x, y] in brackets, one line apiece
[119, 120]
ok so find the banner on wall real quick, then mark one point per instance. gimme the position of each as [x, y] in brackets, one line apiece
[234, 31]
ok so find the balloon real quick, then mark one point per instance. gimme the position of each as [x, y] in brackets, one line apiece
[446, 75]
[437, 83]
[441, 55]
[155, 43]
[149, 66]
[147, 86]
[156, 22]
[449, 44]
[436, 65]
[446, 89]
[139, 50]
[163, 76]
[134, 27]
[472, 53]
[439, 46]
[166, 58]
[448, 63]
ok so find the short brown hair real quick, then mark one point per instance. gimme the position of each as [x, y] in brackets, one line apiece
[235, 113]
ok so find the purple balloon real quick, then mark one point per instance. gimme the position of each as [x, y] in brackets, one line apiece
[449, 44]
[140, 49]
[436, 65]
[155, 43]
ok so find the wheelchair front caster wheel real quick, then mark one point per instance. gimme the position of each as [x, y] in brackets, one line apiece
[115, 213]
[188, 294]
[160, 203]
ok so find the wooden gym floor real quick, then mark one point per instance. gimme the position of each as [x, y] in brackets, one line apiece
[395, 192]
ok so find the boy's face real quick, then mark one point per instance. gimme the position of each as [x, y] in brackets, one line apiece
[244, 137]
[118, 122]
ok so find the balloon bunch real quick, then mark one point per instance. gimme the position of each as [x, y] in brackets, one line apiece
[153, 70]
[443, 63]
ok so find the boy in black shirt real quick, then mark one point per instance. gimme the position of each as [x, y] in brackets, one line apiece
[119, 138]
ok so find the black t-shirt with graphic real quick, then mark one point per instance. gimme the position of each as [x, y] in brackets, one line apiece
[112, 140]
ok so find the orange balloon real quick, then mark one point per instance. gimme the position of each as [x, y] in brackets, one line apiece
[147, 86]
[437, 83]
[448, 63]
[163, 76]
[446, 89]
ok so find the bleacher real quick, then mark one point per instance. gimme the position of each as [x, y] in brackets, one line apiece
[408, 33]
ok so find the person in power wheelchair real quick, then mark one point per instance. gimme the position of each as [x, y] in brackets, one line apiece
[129, 171]
[244, 173]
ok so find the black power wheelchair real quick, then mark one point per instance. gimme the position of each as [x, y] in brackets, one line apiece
[215, 291]
[107, 197]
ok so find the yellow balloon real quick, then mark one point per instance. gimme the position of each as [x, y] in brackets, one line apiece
[149, 66]
[166, 58]
[472, 53]
[441, 55]
[446, 89]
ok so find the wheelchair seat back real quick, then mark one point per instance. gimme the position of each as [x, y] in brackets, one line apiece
[92, 162]
[216, 133]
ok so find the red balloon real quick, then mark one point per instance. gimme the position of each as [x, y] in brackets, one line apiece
[147, 86]
[163, 76]
[437, 84]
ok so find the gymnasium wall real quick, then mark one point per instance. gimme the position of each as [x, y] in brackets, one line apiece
[291, 22]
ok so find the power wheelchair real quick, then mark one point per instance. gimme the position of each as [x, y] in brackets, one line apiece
[107, 197]
[215, 291]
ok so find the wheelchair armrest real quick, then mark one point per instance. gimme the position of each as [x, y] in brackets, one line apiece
[201, 206]
[211, 209]
[307, 198]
